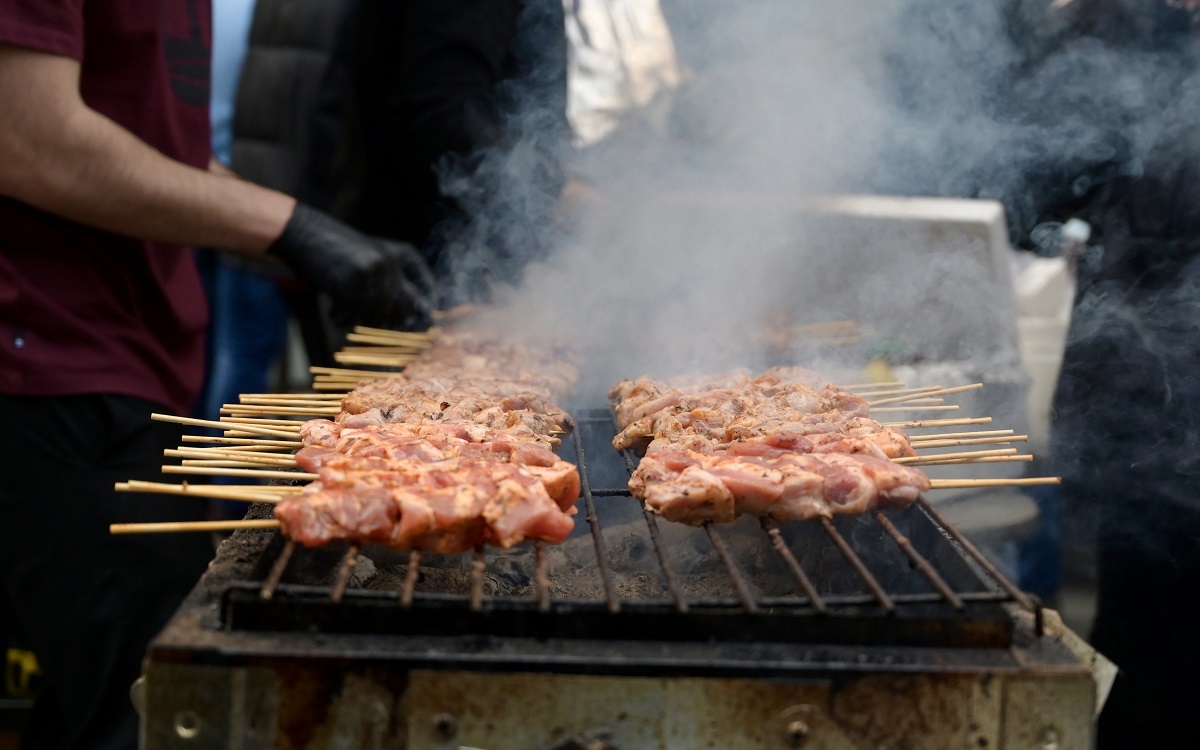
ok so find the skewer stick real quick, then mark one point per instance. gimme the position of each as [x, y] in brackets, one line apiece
[985, 460]
[245, 442]
[293, 403]
[391, 360]
[918, 460]
[879, 384]
[917, 423]
[222, 425]
[248, 409]
[899, 391]
[949, 484]
[263, 421]
[175, 526]
[217, 491]
[281, 396]
[298, 476]
[414, 335]
[889, 409]
[941, 392]
[955, 435]
[971, 441]
[341, 386]
[368, 338]
[365, 374]
[225, 459]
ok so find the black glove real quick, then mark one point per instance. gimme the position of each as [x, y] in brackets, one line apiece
[372, 281]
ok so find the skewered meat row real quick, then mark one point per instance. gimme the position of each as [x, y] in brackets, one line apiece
[774, 445]
[443, 506]
[692, 487]
[727, 407]
[455, 454]
[377, 448]
[491, 402]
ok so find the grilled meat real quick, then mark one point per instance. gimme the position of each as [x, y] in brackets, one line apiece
[693, 487]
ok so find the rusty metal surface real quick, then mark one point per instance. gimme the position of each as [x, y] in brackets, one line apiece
[325, 708]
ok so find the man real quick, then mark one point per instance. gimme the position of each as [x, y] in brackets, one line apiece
[104, 182]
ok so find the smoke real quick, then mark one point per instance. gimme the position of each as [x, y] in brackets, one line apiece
[702, 230]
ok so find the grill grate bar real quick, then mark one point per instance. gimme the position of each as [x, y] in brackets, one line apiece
[277, 568]
[677, 597]
[541, 577]
[735, 575]
[881, 596]
[792, 564]
[345, 569]
[478, 566]
[920, 561]
[606, 574]
[1018, 595]
[411, 574]
[673, 587]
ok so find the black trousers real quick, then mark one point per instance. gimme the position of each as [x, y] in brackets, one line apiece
[1148, 622]
[87, 602]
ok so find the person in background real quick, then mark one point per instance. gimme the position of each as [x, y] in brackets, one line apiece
[444, 125]
[105, 183]
[247, 314]
[1119, 81]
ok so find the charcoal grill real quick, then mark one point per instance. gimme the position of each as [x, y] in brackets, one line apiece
[889, 629]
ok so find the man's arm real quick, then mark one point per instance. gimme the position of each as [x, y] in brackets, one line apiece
[58, 154]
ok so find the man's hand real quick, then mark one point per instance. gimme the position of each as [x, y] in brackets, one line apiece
[372, 281]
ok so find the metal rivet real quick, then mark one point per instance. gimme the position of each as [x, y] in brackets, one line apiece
[445, 726]
[797, 733]
[1049, 738]
[187, 724]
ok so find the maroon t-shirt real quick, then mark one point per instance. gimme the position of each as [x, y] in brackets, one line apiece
[88, 311]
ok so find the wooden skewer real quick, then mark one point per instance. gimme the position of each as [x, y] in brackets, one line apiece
[985, 460]
[299, 476]
[293, 403]
[264, 421]
[243, 458]
[942, 392]
[382, 351]
[954, 435]
[282, 396]
[364, 374]
[879, 384]
[245, 409]
[393, 360]
[948, 407]
[244, 442]
[216, 491]
[366, 338]
[918, 460]
[898, 391]
[174, 526]
[919, 399]
[414, 335]
[917, 423]
[971, 441]
[222, 425]
[225, 463]
[340, 386]
[947, 484]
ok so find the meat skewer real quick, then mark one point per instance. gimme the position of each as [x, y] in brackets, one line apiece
[455, 454]
[772, 446]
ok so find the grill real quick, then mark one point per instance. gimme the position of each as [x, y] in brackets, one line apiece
[500, 649]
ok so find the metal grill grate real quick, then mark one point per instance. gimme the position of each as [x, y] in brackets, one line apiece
[931, 588]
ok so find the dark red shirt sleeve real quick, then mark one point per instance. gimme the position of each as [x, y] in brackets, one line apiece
[54, 26]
